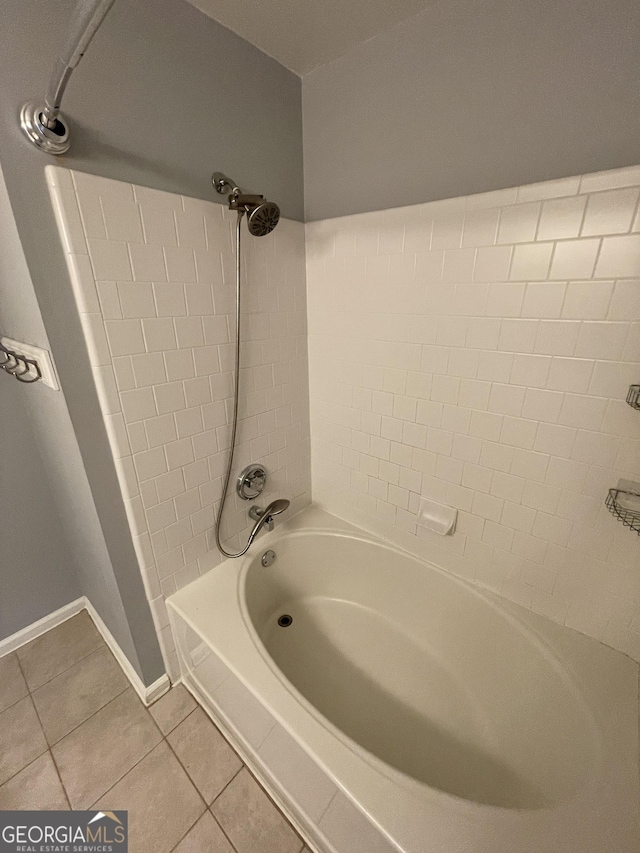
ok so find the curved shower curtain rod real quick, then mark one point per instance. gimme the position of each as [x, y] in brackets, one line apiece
[42, 123]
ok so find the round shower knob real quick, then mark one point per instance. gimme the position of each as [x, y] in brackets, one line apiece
[251, 482]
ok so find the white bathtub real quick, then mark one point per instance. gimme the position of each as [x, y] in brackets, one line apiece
[404, 710]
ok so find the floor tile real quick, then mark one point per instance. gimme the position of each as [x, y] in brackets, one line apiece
[21, 738]
[172, 708]
[93, 757]
[205, 754]
[161, 801]
[207, 836]
[250, 819]
[12, 684]
[36, 787]
[49, 655]
[80, 691]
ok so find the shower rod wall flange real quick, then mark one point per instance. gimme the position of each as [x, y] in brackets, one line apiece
[50, 140]
[42, 123]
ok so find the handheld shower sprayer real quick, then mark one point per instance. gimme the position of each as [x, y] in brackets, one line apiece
[262, 215]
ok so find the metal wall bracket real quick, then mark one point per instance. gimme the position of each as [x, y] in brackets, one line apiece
[36, 354]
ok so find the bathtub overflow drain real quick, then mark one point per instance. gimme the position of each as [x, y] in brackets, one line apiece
[267, 558]
[285, 620]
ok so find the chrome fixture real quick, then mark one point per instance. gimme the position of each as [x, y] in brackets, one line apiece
[42, 123]
[268, 558]
[251, 482]
[262, 215]
[249, 205]
[265, 516]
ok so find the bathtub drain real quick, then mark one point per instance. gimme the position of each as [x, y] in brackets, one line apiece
[285, 620]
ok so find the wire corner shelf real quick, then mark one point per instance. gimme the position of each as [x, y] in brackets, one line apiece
[625, 506]
[633, 397]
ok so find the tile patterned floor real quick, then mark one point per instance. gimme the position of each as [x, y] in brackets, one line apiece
[73, 734]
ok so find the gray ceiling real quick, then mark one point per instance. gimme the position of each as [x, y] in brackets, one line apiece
[303, 34]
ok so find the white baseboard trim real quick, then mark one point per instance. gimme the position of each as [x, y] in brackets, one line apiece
[36, 629]
[31, 632]
[147, 694]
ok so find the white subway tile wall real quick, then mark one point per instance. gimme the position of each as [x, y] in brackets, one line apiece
[154, 278]
[478, 351]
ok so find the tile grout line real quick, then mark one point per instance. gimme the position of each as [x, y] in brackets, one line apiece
[111, 787]
[28, 693]
[44, 752]
[189, 777]
[120, 778]
[197, 820]
[50, 745]
[26, 766]
[163, 737]
[165, 740]
[35, 708]
[243, 767]
[64, 789]
[208, 806]
[17, 773]
[155, 746]
[146, 753]
[49, 680]
[222, 830]
[258, 783]
[92, 714]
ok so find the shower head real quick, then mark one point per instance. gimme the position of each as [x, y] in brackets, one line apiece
[263, 218]
[262, 215]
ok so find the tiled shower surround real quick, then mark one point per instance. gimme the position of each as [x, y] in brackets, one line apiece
[478, 351]
[154, 278]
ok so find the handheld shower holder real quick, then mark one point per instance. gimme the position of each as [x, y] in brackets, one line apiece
[256, 514]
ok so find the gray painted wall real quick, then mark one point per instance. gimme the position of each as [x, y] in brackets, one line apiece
[473, 96]
[37, 573]
[37, 565]
[77, 556]
[163, 97]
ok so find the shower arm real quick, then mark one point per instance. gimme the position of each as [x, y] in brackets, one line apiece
[238, 200]
[224, 185]
[43, 125]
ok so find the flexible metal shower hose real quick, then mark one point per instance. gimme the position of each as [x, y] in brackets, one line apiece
[236, 390]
